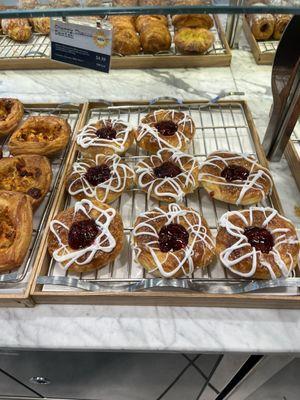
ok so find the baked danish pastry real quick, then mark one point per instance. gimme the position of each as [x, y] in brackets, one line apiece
[155, 38]
[40, 25]
[104, 178]
[17, 29]
[165, 129]
[235, 178]
[124, 3]
[28, 174]
[122, 22]
[168, 176]
[172, 241]
[193, 40]
[258, 243]
[106, 136]
[11, 113]
[15, 229]
[43, 135]
[86, 237]
[281, 22]
[204, 21]
[262, 26]
[126, 42]
[143, 21]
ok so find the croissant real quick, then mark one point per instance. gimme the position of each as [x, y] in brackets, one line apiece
[122, 22]
[155, 38]
[40, 25]
[144, 20]
[17, 29]
[15, 229]
[126, 42]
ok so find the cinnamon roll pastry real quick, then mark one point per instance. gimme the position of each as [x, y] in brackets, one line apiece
[262, 26]
[165, 129]
[168, 176]
[193, 40]
[11, 113]
[104, 178]
[172, 241]
[155, 38]
[126, 42]
[281, 22]
[204, 21]
[40, 25]
[106, 136]
[27, 174]
[144, 21]
[86, 237]
[43, 135]
[17, 29]
[258, 243]
[15, 229]
[235, 178]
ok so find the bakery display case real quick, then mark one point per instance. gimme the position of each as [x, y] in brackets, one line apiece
[115, 163]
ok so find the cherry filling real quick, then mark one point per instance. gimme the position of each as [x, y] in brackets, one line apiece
[35, 193]
[98, 174]
[259, 238]
[107, 132]
[167, 170]
[82, 234]
[235, 173]
[166, 128]
[172, 237]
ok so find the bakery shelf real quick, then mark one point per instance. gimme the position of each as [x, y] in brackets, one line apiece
[35, 54]
[57, 8]
[263, 50]
[226, 125]
[292, 154]
[15, 285]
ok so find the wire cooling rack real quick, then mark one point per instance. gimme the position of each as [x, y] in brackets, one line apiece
[268, 46]
[218, 127]
[37, 47]
[16, 280]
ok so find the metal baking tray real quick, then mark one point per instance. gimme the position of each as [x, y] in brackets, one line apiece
[15, 284]
[35, 54]
[226, 125]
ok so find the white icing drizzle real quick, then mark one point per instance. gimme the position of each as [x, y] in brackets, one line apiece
[252, 181]
[144, 170]
[87, 136]
[104, 242]
[174, 214]
[144, 129]
[256, 256]
[116, 183]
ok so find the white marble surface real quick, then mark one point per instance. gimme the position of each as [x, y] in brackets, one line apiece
[155, 328]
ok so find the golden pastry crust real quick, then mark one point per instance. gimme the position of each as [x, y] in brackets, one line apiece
[15, 229]
[257, 243]
[104, 178]
[126, 42]
[43, 135]
[235, 178]
[122, 22]
[27, 174]
[40, 25]
[64, 3]
[106, 136]
[193, 21]
[143, 3]
[168, 176]
[172, 241]
[11, 113]
[28, 4]
[102, 230]
[193, 40]
[281, 22]
[165, 129]
[17, 29]
[155, 38]
[143, 21]
[124, 3]
[262, 26]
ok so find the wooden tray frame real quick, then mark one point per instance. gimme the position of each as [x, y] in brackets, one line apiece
[136, 61]
[178, 298]
[260, 58]
[293, 159]
[24, 299]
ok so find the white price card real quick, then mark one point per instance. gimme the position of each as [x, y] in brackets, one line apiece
[85, 46]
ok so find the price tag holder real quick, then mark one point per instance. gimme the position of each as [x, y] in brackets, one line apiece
[82, 45]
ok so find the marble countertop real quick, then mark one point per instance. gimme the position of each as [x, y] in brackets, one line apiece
[155, 328]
